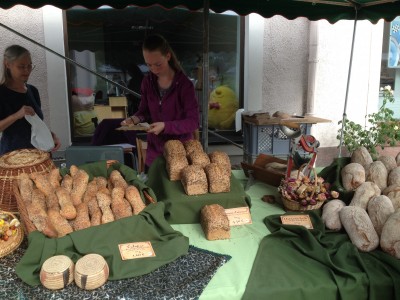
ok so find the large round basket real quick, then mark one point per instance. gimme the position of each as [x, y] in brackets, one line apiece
[14, 163]
[6, 247]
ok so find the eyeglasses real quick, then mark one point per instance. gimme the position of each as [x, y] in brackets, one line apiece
[28, 67]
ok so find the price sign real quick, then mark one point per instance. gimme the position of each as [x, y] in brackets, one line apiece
[238, 216]
[302, 220]
[136, 250]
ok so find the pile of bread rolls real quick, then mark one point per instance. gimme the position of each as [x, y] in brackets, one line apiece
[372, 218]
[60, 205]
[198, 171]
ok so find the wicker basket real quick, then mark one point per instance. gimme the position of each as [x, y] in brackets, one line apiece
[293, 205]
[6, 247]
[91, 271]
[14, 163]
[57, 272]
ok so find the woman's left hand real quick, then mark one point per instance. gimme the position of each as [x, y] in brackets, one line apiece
[57, 143]
[156, 128]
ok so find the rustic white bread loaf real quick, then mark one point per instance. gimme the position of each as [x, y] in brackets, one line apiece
[214, 222]
[330, 214]
[361, 156]
[394, 176]
[353, 175]
[388, 161]
[393, 192]
[359, 227]
[198, 158]
[218, 179]
[377, 173]
[194, 180]
[390, 237]
[174, 165]
[379, 210]
[365, 192]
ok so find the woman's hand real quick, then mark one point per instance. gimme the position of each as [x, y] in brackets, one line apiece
[131, 120]
[156, 128]
[23, 111]
[57, 143]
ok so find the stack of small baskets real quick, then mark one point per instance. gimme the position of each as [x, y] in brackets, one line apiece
[306, 192]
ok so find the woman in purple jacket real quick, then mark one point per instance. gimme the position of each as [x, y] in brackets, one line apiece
[168, 102]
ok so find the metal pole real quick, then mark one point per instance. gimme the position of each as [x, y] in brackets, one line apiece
[71, 61]
[204, 100]
[348, 83]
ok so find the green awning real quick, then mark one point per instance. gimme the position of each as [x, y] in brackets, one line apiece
[331, 10]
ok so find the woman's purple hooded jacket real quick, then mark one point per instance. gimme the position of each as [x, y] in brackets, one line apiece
[178, 109]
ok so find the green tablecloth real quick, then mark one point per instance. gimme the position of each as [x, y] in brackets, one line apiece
[295, 263]
[149, 225]
[183, 209]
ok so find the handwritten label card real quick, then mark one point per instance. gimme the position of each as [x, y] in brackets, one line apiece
[302, 220]
[136, 250]
[238, 216]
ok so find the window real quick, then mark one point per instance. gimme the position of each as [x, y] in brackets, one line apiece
[109, 41]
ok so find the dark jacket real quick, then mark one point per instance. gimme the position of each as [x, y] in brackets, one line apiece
[178, 109]
[17, 135]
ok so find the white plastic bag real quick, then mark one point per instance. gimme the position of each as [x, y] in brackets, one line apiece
[41, 137]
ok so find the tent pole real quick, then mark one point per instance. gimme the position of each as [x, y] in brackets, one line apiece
[348, 83]
[205, 92]
[71, 61]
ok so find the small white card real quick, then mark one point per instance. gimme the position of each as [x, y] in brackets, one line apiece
[136, 250]
[238, 216]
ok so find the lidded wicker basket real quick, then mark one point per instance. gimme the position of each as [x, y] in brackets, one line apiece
[13, 164]
[57, 272]
[91, 271]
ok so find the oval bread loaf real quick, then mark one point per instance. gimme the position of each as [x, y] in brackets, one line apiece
[364, 193]
[330, 214]
[394, 176]
[361, 156]
[393, 192]
[390, 237]
[388, 161]
[353, 175]
[359, 227]
[378, 174]
[379, 210]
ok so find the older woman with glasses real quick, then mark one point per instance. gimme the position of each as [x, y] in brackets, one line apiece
[168, 99]
[17, 99]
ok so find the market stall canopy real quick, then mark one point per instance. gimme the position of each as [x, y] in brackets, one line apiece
[331, 10]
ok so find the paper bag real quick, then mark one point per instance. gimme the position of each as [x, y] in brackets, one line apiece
[41, 137]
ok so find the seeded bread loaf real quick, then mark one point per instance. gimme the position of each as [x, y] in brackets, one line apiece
[192, 145]
[218, 179]
[199, 158]
[174, 148]
[222, 159]
[214, 222]
[194, 180]
[174, 165]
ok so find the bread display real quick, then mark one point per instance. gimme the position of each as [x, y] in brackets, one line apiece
[214, 222]
[56, 215]
[198, 158]
[175, 165]
[218, 180]
[194, 180]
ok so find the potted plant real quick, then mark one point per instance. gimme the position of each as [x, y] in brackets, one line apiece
[381, 131]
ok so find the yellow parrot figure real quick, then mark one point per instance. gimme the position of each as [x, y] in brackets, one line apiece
[222, 108]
